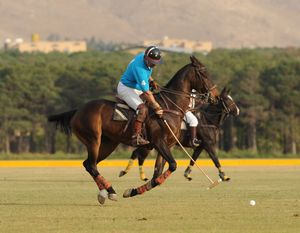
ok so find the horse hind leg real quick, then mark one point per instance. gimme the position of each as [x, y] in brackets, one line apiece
[188, 170]
[212, 154]
[107, 147]
[95, 155]
[90, 165]
[130, 163]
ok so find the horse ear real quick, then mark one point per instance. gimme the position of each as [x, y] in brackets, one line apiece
[193, 60]
[223, 91]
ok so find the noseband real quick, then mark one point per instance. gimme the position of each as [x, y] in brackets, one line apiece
[208, 95]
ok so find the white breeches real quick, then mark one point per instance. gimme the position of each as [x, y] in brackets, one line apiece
[191, 119]
[129, 95]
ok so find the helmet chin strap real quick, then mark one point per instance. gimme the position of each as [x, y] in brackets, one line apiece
[148, 64]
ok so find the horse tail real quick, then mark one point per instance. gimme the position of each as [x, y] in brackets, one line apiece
[63, 121]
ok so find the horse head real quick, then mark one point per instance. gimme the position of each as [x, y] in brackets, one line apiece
[203, 82]
[229, 106]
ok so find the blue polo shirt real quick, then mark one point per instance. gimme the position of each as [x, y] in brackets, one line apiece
[137, 74]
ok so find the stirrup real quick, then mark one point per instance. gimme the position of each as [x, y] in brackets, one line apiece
[195, 142]
[138, 140]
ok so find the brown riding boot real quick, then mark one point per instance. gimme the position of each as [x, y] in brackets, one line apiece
[137, 139]
[194, 142]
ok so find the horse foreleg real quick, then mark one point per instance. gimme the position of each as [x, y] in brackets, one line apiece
[159, 166]
[155, 181]
[195, 156]
[148, 186]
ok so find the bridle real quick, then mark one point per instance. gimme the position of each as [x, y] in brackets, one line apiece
[200, 73]
[224, 114]
[197, 96]
[203, 97]
[225, 111]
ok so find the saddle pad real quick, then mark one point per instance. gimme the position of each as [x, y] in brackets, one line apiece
[121, 112]
[183, 125]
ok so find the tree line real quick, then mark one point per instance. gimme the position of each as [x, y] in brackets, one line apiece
[265, 84]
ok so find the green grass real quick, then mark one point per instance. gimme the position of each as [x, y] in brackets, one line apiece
[64, 200]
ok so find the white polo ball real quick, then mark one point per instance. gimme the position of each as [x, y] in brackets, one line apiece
[252, 203]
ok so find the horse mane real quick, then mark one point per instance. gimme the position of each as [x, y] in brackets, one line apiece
[195, 63]
[214, 108]
[178, 75]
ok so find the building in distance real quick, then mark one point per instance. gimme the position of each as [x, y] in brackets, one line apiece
[181, 45]
[36, 45]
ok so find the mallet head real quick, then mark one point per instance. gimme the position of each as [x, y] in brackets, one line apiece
[214, 184]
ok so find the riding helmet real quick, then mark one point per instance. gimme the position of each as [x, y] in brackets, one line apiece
[152, 53]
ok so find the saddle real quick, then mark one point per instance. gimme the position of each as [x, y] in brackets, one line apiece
[122, 112]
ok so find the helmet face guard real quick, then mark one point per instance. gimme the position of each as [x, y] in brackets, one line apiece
[153, 56]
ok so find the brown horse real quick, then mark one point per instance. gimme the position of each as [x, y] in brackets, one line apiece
[95, 128]
[210, 117]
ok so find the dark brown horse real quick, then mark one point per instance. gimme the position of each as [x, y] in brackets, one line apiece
[211, 117]
[95, 128]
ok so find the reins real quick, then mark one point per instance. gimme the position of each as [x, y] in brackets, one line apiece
[180, 109]
[186, 94]
[196, 96]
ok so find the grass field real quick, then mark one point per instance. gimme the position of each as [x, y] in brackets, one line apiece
[64, 199]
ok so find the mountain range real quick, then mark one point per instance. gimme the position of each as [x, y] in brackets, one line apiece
[227, 23]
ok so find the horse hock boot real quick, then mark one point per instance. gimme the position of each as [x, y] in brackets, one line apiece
[137, 138]
[194, 142]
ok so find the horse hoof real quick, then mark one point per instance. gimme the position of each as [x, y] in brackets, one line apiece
[122, 173]
[188, 177]
[112, 196]
[224, 177]
[127, 193]
[145, 179]
[102, 196]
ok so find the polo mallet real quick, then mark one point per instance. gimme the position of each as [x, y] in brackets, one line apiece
[212, 183]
